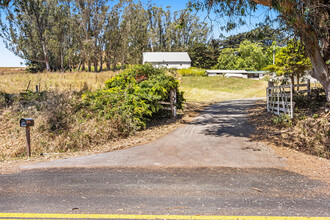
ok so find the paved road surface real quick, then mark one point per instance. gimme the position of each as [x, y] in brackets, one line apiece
[218, 137]
[208, 167]
[181, 191]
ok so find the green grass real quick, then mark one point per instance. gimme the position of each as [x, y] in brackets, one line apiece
[217, 88]
[192, 71]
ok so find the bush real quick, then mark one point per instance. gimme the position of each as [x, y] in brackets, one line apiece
[192, 71]
[282, 120]
[132, 97]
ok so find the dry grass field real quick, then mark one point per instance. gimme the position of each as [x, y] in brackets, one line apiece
[13, 82]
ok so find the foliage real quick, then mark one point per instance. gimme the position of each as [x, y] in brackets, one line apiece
[192, 71]
[291, 61]
[66, 122]
[265, 35]
[61, 35]
[282, 120]
[132, 97]
[249, 56]
[203, 55]
[307, 20]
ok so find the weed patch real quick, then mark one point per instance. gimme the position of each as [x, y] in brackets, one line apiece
[70, 121]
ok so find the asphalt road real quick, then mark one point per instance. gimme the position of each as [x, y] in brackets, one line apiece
[180, 191]
[207, 167]
[218, 137]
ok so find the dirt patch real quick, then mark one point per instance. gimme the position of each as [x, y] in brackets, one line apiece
[287, 142]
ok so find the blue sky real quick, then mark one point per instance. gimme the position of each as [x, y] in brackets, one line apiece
[8, 59]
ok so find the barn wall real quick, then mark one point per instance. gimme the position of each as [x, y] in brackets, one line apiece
[172, 65]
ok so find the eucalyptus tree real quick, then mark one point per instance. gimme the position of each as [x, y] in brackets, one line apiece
[156, 29]
[134, 33]
[112, 36]
[27, 30]
[186, 30]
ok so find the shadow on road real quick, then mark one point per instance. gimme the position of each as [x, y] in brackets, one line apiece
[226, 119]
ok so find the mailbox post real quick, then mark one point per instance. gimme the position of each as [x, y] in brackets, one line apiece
[27, 123]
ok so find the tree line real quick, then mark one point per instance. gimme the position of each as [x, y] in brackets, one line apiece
[60, 35]
[252, 50]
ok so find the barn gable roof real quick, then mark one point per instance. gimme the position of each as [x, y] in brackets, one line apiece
[153, 57]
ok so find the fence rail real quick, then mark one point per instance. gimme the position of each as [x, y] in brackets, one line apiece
[171, 105]
[280, 98]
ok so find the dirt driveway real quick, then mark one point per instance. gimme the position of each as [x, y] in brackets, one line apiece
[218, 137]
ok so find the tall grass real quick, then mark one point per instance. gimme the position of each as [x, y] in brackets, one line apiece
[18, 82]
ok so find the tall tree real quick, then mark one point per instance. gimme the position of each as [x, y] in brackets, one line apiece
[249, 56]
[291, 61]
[28, 29]
[308, 19]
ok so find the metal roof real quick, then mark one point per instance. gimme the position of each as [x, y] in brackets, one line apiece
[226, 71]
[166, 57]
[257, 71]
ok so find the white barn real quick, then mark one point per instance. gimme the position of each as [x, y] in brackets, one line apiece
[178, 60]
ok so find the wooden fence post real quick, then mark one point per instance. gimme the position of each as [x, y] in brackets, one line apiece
[173, 101]
[268, 92]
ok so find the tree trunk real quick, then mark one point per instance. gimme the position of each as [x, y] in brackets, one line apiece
[79, 65]
[292, 82]
[114, 63]
[298, 80]
[46, 57]
[321, 72]
[83, 66]
[101, 63]
[95, 65]
[108, 65]
[62, 62]
[122, 62]
[89, 66]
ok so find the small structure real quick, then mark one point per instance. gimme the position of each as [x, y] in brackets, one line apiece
[237, 73]
[228, 73]
[256, 74]
[178, 60]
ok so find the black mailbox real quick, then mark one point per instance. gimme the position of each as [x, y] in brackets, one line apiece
[26, 122]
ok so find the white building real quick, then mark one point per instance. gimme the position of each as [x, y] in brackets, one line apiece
[237, 73]
[178, 60]
[228, 73]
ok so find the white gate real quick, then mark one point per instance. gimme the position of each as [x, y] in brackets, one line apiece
[280, 98]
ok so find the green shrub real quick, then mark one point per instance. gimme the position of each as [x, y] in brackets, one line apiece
[192, 71]
[132, 97]
[282, 120]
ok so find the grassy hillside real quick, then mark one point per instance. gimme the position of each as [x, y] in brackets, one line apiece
[217, 88]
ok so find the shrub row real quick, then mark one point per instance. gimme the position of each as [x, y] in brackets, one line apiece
[132, 97]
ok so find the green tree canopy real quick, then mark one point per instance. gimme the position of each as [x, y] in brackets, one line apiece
[248, 56]
[291, 61]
